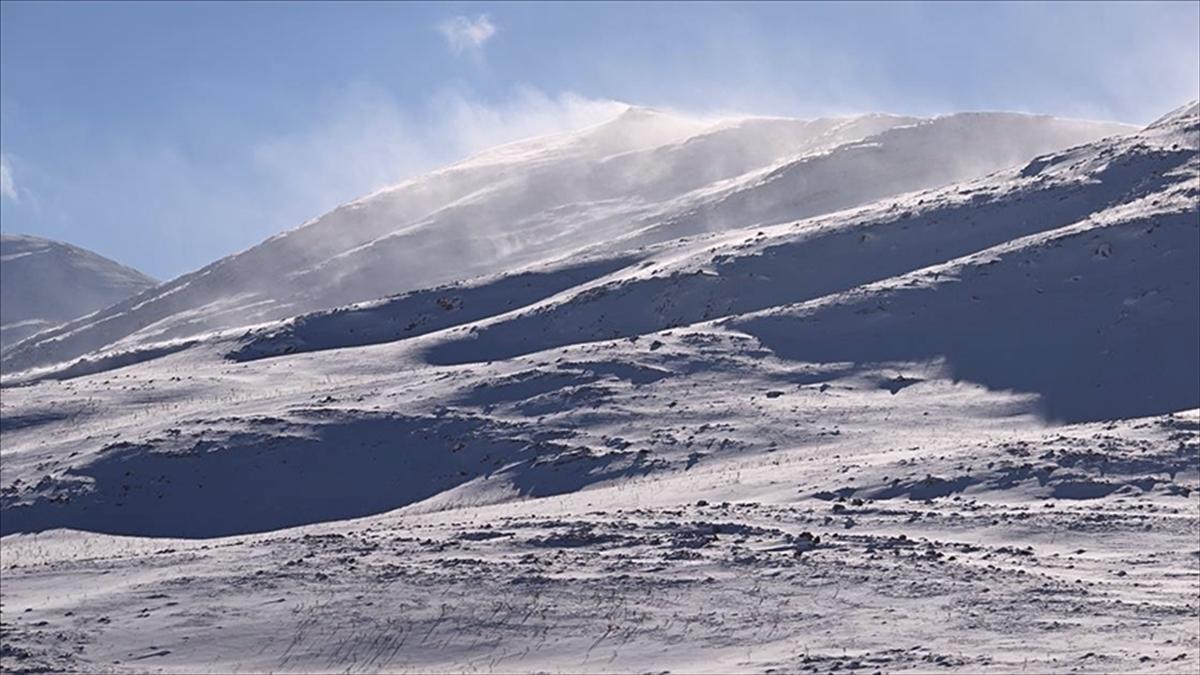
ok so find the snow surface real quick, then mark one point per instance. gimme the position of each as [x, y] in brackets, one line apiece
[953, 429]
[44, 283]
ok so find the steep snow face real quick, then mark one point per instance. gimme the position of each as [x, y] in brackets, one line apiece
[642, 178]
[44, 283]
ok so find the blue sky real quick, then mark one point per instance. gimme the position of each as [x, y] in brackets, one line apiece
[168, 135]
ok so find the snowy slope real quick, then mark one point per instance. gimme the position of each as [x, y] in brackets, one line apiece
[641, 178]
[44, 283]
[952, 430]
[1096, 194]
[963, 281]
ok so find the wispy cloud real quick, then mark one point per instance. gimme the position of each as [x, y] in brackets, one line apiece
[8, 187]
[466, 35]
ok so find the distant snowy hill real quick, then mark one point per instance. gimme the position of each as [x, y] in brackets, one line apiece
[641, 178]
[44, 283]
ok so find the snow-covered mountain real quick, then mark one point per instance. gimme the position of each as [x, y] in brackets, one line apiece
[44, 283]
[946, 428]
[1069, 278]
[642, 178]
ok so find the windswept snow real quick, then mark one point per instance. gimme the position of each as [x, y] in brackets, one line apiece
[44, 283]
[1107, 229]
[948, 424]
[644, 177]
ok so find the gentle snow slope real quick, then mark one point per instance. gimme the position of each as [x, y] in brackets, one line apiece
[641, 178]
[44, 283]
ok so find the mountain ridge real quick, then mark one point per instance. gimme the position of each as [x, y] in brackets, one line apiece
[384, 244]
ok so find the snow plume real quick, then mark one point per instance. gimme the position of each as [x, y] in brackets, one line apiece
[360, 139]
[474, 125]
[366, 141]
[8, 188]
[466, 35]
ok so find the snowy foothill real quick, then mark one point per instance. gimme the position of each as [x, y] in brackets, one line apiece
[873, 394]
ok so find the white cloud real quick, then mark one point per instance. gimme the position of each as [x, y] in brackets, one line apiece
[8, 188]
[466, 35]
